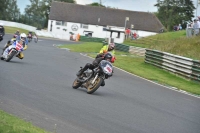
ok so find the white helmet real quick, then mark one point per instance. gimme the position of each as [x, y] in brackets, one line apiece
[23, 36]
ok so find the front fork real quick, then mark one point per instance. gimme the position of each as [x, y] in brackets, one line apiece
[96, 76]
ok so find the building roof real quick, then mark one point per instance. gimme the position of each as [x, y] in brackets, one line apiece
[69, 12]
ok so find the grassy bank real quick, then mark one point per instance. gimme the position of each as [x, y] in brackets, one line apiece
[136, 65]
[171, 42]
[12, 30]
[12, 124]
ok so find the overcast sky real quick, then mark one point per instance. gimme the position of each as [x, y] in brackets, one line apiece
[134, 5]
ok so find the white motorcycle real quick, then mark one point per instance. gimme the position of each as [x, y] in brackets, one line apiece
[11, 51]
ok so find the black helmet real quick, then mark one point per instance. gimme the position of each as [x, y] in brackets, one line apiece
[107, 56]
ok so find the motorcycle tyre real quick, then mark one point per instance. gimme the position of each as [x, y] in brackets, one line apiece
[76, 84]
[10, 56]
[36, 40]
[95, 87]
[29, 39]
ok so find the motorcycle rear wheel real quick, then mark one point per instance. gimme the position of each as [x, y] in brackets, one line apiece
[36, 40]
[95, 86]
[76, 84]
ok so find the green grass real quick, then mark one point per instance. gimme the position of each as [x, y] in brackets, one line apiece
[136, 65]
[12, 124]
[90, 47]
[139, 67]
[12, 30]
[171, 42]
[147, 42]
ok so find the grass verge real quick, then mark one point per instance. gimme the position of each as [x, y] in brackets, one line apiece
[171, 42]
[12, 30]
[137, 66]
[12, 124]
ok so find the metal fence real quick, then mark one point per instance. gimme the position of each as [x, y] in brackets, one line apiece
[192, 32]
[186, 67]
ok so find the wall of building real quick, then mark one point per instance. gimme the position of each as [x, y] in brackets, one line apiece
[64, 31]
[97, 31]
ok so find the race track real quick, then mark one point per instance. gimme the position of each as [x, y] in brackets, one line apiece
[38, 89]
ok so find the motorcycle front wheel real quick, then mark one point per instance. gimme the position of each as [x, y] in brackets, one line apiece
[76, 84]
[10, 56]
[93, 87]
[29, 39]
[36, 40]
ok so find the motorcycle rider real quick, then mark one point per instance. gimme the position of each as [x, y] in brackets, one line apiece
[2, 31]
[21, 39]
[35, 37]
[15, 39]
[95, 63]
[30, 33]
[107, 49]
[17, 32]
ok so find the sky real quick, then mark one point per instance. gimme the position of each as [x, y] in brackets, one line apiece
[133, 5]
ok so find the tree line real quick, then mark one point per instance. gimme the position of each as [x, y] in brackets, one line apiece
[170, 12]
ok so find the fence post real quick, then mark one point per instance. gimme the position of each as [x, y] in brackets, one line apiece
[189, 32]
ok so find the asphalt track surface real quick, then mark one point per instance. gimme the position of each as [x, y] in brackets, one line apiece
[38, 90]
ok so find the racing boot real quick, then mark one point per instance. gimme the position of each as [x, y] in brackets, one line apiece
[103, 83]
[82, 70]
[80, 73]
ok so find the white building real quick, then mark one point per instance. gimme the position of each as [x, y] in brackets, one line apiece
[99, 22]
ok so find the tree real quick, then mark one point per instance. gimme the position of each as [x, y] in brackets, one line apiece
[174, 12]
[38, 11]
[9, 10]
[96, 4]
[3, 7]
[69, 1]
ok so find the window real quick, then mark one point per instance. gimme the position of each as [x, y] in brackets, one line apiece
[58, 22]
[88, 35]
[61, 23]
[118, 35]
[104, 29]
[64, 23]
[84, 26]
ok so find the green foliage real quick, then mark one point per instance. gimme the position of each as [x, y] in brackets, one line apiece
[96, 4]
[69, 1]
[9, 10]
[38, 12]
[172, 13]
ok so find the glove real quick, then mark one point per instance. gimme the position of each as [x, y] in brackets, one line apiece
[104, 51]
[113, 59]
